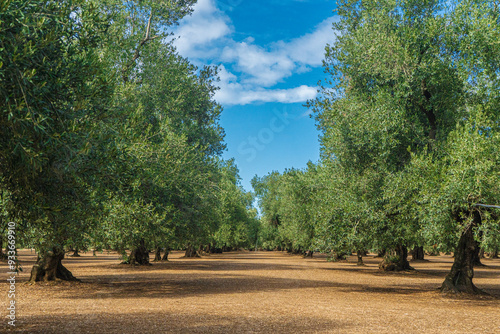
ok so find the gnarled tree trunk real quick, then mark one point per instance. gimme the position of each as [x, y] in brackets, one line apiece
[139, 255]
[165, 256]
[339, 256]
[309, 253]
[48, 267]
[478, 255]
[418, 253]
[400, 263]
[191, 252]
[459, 279]
[360, 258]
[75, 252]
[157, 254]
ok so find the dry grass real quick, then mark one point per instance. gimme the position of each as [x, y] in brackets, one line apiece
[251, 292]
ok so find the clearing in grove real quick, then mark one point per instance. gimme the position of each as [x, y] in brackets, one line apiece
[251, 292]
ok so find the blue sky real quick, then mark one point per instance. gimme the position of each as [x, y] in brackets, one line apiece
[270, 54]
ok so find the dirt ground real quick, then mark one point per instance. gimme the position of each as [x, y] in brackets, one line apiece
[250, 292]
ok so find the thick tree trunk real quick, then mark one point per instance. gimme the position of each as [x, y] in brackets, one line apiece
[139, 255]
[296, 251]
[165, 256]
[400, 263]
[478, 255]
[309, 253]
[479, 252]
[418, 253]
[48, 267]
[340, 256]
[191, 252]
[157, 254]
[360, 258]
[75, 252]
[459, 279]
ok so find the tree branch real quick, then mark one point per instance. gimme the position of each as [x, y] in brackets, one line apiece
[137, 54]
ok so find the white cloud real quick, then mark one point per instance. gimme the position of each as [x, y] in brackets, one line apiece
[233, 92]
[259, 66]
[309, 49]
[197, 32]
[206, 38]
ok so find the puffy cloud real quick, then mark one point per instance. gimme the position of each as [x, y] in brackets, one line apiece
[309, 49]
[258, 66]
[206, 38]
[197, 33]
[233, 92]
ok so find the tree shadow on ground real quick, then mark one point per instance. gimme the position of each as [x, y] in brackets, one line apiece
[222, 275]
[169, 322]
[188, 285]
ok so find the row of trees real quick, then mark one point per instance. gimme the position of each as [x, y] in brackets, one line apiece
[410, 135]
[109, 138]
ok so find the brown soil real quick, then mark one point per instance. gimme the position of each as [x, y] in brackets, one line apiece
[250, 292]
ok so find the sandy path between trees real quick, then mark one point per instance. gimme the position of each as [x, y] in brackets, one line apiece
[250, 292]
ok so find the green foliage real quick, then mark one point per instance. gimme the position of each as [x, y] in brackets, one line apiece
[110, 138]
[238, 225]
[410, 119]
[52, 87]
[291, 205]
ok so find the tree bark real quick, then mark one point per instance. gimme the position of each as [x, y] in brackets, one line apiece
[340, 256]
[309, 253]
[48, 267]
[165, 256]
[191, 252]
[360, 258]
[139, 255]
[459, 279]
[418, 253]
[478, 255]
[399, 263]
[75, 253]
[157, 254]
